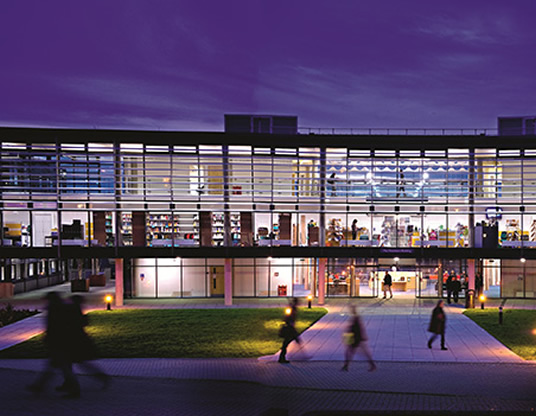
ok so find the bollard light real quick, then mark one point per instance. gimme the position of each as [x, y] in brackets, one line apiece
[108, 299]
[500, 315]
[482, 301]
[288, 311]
[309, 300]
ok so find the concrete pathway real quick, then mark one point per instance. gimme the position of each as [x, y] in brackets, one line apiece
[398, 331]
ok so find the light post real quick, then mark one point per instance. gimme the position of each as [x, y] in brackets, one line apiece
[482, 300]
[108, 299]
[309, 300]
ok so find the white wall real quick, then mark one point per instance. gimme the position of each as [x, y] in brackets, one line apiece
[144, 277]
[169, 277]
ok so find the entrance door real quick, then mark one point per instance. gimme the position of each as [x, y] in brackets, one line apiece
[217, 278]
[404, 276]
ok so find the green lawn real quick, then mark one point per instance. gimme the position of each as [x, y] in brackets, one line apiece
[187, 333]
[516, 332]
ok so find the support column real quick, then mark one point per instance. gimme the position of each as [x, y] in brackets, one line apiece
[228, 282]
[321, 280]
[471, 274]
[119, 282]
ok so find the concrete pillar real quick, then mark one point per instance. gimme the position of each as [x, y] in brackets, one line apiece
[321, 280]
[471, 273]
[119, 285]
[228, 282]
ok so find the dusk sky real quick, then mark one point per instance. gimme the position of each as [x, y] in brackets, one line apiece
[182, 65]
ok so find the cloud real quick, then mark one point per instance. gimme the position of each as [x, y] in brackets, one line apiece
[478, 30]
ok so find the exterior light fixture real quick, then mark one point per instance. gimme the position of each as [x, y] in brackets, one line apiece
[500, 315]
[309, 300]
[288, 311]
[108, 299]
[482, 299]
[270, 258]
[522, 259]
[396, 259]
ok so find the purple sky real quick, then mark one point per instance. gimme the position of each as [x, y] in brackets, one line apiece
[181, 65]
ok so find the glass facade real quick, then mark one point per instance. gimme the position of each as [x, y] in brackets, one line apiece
[73, 193]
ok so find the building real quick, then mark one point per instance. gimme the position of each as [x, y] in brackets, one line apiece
[252, 214]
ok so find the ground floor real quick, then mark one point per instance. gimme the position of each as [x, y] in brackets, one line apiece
[281, 277]
[333, 277]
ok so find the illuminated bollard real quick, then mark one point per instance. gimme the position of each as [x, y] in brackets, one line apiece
[108, 299]
[500, 315]
[309, 300]
[482, 301]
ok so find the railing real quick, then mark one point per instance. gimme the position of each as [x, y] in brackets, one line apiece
[393, 131]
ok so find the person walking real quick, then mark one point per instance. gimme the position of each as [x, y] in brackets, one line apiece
[82, 350]
[288, 331]
[387, 283]
[437, 325]
[356, 336]
[57, 347]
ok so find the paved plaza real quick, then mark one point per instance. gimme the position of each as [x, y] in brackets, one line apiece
[476, 374]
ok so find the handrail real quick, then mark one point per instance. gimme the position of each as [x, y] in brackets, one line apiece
[399, 131]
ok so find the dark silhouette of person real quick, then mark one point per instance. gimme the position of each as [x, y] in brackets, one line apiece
[82, 350]
[354, 229]
[449, 285]
[437, 325]
[456, 287]
[358, 335]
[289, 332]
[387, 283]
[57, 347]
[478, 284]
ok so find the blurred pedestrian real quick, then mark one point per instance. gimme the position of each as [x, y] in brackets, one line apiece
[354, 337]
[288, 330]
[57, 348]
[82, 350]
[437, 325]
[387, 283]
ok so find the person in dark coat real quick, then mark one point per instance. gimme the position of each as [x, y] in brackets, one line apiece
[450, 278]
[57, 347]
[82, 350]
[357, 336]
[288, 331]
[387, 283]
[456, 287]
[478, 284]
[437, 325]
